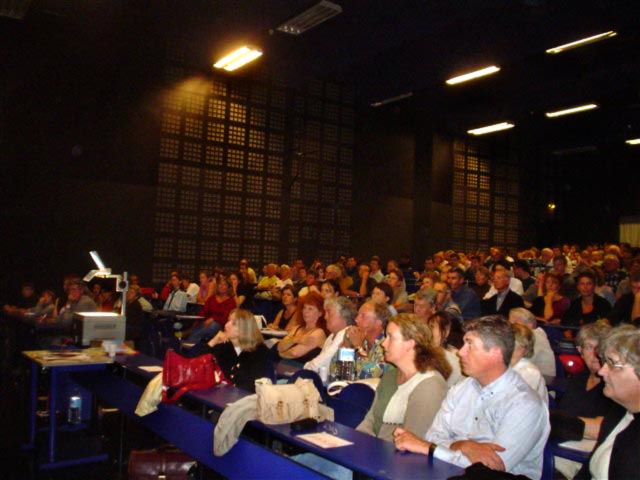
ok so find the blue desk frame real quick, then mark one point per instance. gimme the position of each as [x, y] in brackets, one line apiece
[55, 371]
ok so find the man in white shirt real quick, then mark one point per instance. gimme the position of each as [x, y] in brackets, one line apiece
[492, 417]
[191, 289]
[515, 285]
[340, 313]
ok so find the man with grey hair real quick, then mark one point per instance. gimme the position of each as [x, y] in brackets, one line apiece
[543, 356]
[77, 301]
[366, 338]
[339, 314]
[424, 304]
[493, 417]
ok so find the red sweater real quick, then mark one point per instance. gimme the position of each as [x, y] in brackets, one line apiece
[219, 311]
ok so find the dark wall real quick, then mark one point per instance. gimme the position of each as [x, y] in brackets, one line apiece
[383, 202]
[78, 143]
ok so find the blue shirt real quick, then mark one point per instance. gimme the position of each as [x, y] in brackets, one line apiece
[506, 412]
[177, 301]
[468, 302]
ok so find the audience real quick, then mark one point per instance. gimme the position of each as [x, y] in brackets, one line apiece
[366, 337]
[441, 325]
[340, 314]
[581, 408]
[587, 307]
[505, 299]
[412, 390]
[286, 318]
[462, 295]
[215, 311]
[239, 350]
[550, 306]
[521, 363]
[177, 298]
[305, 341]
[616, 452]
[627, 308]
[543, 356]
[493, 417]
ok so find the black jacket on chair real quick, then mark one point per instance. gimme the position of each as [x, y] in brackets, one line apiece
[512, 300]
[625, 461]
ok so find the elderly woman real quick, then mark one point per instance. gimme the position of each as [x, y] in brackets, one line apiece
[441, 324]
[239, 350]
[305, 341]
[521, 360]
[550, 306]
[616, 453]
[411, 392]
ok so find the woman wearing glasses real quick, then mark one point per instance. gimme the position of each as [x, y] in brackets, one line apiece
[616, 453]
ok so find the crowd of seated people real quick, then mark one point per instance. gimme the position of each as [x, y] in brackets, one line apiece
[355, 305]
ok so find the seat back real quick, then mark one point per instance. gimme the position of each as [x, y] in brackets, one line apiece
[352, 404]
[313, 376]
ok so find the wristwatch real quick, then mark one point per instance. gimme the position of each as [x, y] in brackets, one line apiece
[432, 449]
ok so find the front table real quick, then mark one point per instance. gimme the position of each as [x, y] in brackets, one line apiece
[58, 363]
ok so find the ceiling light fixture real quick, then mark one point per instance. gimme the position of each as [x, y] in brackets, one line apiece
[569, 111]
[633, 141]
[238, 58]
[321, 12]
[580, 43]
[472, 75]
[491, 128]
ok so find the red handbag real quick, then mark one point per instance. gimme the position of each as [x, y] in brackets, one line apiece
[186, 374]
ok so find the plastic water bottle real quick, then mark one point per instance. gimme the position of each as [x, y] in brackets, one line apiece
[74, 414]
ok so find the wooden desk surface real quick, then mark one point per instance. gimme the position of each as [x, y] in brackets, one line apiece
[63, 358]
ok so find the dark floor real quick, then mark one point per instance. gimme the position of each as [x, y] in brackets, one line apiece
[103, 433]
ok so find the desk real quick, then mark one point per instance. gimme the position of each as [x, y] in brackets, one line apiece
[368, 455]
[60, 362]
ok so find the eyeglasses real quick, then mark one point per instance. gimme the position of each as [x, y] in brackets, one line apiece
[612, 364]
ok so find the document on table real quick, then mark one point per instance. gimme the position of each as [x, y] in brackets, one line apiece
[324, 440]
[151, 368]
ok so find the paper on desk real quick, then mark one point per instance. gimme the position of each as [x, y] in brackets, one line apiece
[151, 368]
[324, 440]
[583, 445]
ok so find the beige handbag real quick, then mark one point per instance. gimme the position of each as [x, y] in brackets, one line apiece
[278, 404]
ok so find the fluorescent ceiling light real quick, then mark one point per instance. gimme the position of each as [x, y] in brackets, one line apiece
[580, 43]
[569, 111]
[471, 75]
[633, 141]
[491, 128]
[238, 58]
[310, 18]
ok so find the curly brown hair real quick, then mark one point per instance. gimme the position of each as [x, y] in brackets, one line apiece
[427, 356]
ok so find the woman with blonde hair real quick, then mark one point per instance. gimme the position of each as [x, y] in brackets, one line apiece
[412, 390]
[521, 363]
[239, 350]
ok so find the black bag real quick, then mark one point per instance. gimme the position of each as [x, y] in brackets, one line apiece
[166, 463]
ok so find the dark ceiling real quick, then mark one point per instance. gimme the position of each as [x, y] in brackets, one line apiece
[389, 48]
